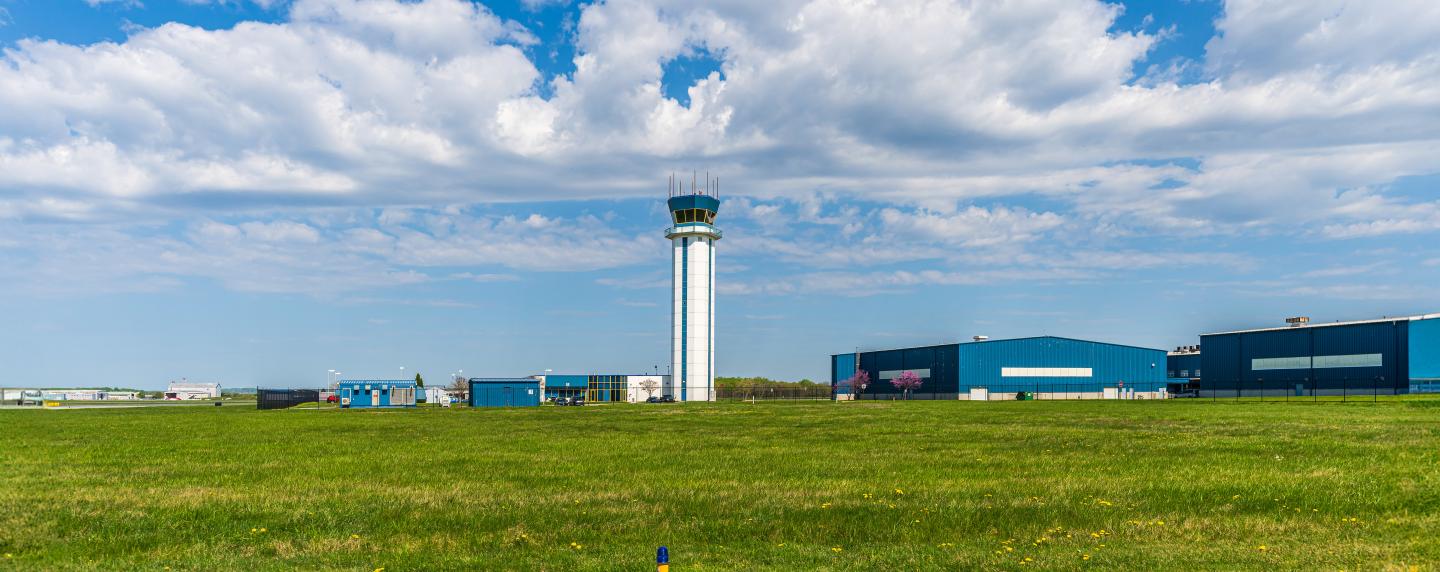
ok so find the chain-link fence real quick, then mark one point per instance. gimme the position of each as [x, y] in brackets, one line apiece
[771, 392]
[1314, 390]
[1326, 390]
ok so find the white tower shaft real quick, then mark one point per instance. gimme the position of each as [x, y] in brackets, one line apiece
[693, 330]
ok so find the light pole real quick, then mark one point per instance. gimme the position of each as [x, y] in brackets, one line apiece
[402, 372]
[330, 378]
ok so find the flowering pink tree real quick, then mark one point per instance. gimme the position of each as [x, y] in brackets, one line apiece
[858, 383]
[907, 381]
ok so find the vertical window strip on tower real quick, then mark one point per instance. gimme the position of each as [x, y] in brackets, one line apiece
[710, 319]
[684, 312]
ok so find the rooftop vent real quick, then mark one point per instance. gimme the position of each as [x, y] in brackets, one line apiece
[1298, 320]
[980, 338]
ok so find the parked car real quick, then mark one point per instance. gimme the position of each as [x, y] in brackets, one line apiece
[653, 399]
[577, 401]
[667, 399]
[560, 401]
[332, 398]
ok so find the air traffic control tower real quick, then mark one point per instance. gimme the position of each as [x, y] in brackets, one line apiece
[692, 236]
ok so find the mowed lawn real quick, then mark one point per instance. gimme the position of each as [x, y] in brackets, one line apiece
[1175, 485]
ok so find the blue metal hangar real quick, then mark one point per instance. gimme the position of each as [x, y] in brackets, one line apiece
[1048, 366]
[1385, 356]
[363, 393]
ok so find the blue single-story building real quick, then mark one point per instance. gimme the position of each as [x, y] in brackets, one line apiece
[362, 393]
[505, 392]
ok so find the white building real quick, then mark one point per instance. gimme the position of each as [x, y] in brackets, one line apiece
[638, 388]
[183, 390]
[436, 395]
[692, 340]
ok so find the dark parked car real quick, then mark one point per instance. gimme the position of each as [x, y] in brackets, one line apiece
[577, 401]
[667, 399]
[653, 399]
[561, 401]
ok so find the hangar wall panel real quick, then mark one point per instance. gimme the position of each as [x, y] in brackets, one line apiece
[1423, 345]
[940, 361]
[1335, 358]
[1059, 364]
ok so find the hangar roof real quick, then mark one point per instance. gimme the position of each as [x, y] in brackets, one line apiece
[1331, 324]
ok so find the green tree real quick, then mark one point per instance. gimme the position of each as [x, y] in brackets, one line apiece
[419, 381]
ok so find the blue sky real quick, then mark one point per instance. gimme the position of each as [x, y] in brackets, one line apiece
[256, 192]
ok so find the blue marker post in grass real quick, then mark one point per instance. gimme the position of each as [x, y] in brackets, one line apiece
[662, 560]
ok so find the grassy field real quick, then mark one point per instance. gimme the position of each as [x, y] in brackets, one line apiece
[1175, 485]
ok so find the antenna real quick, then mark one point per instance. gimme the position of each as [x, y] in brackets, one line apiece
[694, 176]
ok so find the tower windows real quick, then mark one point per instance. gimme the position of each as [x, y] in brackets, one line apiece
[683, 216]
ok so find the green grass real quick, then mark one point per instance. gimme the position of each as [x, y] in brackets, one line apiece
[782, 486]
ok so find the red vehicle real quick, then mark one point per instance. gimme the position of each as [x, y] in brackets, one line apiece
[332, 398]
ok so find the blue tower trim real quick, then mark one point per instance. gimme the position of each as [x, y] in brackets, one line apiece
[684, 312]
[706, 202]
[710, 319]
